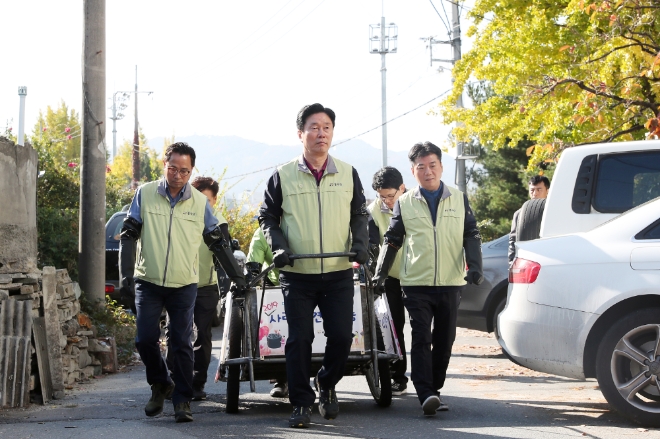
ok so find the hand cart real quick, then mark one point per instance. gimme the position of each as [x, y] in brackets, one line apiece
[255, 335]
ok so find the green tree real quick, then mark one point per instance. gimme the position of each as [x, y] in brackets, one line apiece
[563, 72]
[59, 131]
[121, 170]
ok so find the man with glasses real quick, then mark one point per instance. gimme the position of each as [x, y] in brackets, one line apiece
[165, 225]
[388, 183]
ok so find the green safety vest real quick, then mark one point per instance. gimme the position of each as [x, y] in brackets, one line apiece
[168, 248]
[207, 274]
[433, 256]
[260, 252]
[316, 219]
[382, 215]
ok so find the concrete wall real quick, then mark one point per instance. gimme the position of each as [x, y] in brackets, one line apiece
[18, 207]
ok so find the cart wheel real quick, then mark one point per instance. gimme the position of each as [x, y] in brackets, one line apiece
[381, 391]
[234, 372]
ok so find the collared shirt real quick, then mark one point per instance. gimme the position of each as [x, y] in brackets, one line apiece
[210, 221]
[432, 199]
[318, 174]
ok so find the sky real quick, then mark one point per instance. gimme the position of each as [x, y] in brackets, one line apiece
[235, 68]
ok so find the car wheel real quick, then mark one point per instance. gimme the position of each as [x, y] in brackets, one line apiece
[628, 366]
[529, 220]
[498, 309]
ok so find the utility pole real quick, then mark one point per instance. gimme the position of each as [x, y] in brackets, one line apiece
[383, 40]
[119, 115]
[91, 248]
[455, 41]
[136, 142]
[22, 92]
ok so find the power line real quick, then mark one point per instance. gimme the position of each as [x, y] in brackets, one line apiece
[346, 140]
[441, 19]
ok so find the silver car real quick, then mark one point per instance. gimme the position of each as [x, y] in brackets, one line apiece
[481, 304]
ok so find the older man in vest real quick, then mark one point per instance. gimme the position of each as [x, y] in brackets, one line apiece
[315, 204]
[388, 183]
[159, 263]
[434, 225]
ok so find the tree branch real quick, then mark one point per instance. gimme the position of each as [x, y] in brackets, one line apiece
[632, 129]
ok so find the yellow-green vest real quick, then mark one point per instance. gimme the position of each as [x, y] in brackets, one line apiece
[207, 274]
[382, 215]
[260, 252]
[168, 249]
[433, 255]
[316, 219]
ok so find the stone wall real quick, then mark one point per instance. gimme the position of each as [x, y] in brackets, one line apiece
[18, 201]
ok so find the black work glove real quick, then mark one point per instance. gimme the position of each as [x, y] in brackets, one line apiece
[281, 258]
[361, 255]
[385, 260]
[127, 294]
[130, 233]
[220, 248]
[475, 274]
[253, 270]
[238, 290]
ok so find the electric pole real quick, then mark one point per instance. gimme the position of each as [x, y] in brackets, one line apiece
[22, 92]
[136, 142]
[91, 248]
[383, 40]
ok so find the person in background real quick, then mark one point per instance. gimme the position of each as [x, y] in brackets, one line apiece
[539, 185]
[388, 183]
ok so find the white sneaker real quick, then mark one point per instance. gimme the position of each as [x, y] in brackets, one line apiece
[430, 405]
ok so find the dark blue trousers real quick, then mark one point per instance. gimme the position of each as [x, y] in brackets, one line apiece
[179, 303]
[334, 298]
[429, 364]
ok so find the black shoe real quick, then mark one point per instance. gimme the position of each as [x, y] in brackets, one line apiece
[300, 417]
[182, 412]
[430, 405]
[328, 404]
[443, 407]
[198, 393]
[280, 390]
[399, 388]
[159, 392]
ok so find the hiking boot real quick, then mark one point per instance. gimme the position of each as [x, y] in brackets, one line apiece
[328, 404]
[430, 405]
[159, 391]
[198, 392]
[182, 412]
[300, 417]
[443, 407]
[280, 390]
[399, 388]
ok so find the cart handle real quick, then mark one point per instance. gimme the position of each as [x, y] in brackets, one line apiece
[263, 274]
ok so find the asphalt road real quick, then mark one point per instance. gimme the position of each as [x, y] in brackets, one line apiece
[488, 397]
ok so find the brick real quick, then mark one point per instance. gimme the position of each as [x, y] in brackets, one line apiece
[85, 333]
[27, 289]
[5, 278]
[95, 345]
[62, 276]
[65, 290]
[12, 287]
[84, 320]
[4, 294]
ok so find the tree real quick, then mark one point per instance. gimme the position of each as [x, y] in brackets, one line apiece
[151, 166]
[59, 131]
[563, 72]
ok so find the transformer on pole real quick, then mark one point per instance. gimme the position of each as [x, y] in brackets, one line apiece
[383, 40]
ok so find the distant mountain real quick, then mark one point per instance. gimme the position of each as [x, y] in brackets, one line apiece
[242, 156]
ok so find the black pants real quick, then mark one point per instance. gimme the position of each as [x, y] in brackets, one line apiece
[335, 301]
[178, 302]
[429, 364]
[205, 309]
[395, 300]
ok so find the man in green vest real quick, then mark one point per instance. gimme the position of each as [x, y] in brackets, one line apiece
[159, 268]
[315, 204]
[436, 230]
[388, 183]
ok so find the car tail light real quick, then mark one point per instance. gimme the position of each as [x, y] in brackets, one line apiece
[356, 265]
[109, 289]
[523, 271]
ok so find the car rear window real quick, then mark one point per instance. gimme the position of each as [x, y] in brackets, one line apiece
[114, 228]
[626, 180]
[651, 232]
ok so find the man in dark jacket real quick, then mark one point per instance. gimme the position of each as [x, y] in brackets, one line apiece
[436, 227]
[315, 204]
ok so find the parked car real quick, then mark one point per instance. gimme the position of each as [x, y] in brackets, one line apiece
[481, 304]
[112, 230]
[587, 305]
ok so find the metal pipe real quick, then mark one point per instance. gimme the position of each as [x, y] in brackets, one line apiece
[22, 92]
[383, 92]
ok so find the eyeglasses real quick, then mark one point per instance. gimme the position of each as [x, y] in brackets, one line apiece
[388, 197]
[181, 172]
